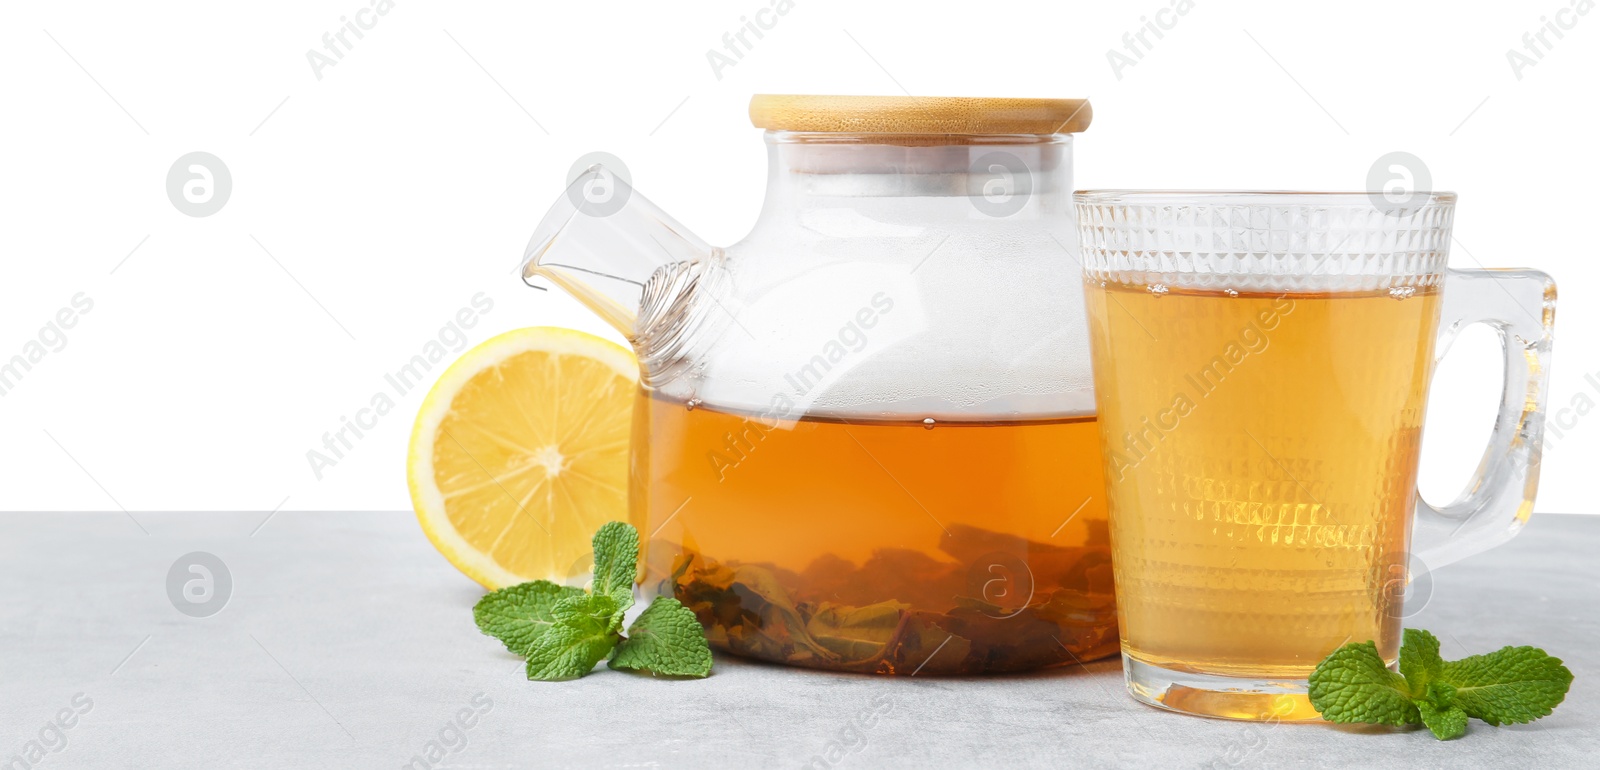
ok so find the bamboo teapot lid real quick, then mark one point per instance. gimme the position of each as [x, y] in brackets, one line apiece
[918, 114]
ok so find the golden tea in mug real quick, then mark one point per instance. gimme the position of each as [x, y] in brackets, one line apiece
[1261, 455]
[1261, 364]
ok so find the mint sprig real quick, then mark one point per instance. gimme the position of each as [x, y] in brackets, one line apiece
[1512, 685]
[564, 631]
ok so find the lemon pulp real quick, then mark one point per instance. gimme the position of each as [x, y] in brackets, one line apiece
[520, 452]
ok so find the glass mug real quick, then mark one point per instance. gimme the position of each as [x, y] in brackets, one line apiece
[1262, 364]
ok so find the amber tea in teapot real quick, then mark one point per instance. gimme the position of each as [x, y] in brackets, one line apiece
[866, 436]
[1000, 549]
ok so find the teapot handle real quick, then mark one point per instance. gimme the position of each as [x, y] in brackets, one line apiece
[1520, 305]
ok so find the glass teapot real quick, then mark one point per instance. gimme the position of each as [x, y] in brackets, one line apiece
[865, 436]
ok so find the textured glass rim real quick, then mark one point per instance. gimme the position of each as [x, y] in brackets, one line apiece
[1264, 240]
[1254, 197]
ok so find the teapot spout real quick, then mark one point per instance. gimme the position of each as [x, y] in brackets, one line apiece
[602, 242]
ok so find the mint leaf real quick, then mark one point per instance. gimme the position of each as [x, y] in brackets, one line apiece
[616, 559]
[585, 610]
[1437, 705]
[665, 640]
[1353, 685]
[1445, 723]
[1512, 685]
[584, 633]
[567, 652]
[1440, 694]
[1420, 663]
[517, 615]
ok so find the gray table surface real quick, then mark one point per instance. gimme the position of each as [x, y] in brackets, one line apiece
[347, 641]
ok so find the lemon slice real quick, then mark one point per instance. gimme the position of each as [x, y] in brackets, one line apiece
[520, 453]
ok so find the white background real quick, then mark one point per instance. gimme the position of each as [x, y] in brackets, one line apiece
[409, 177]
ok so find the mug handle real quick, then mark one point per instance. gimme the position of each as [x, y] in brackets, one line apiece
[1521, 306]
